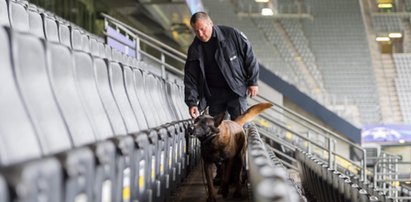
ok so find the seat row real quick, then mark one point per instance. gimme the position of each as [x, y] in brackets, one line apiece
[79, 127]
[269, 180]
[328, 184]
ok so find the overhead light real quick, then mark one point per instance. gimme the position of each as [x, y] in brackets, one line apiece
[267, 11]
[384, 5]
[408, 182]
[402, 141]
[382, 38]
[262, 1]
[395, 35]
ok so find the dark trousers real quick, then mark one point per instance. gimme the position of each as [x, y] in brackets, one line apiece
[222, 100]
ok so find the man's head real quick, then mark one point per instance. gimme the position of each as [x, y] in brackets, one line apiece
[202, 25]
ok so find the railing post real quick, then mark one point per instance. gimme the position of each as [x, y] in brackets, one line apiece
[364, 167]
[163, 67]
[138, 54]
[330, 153]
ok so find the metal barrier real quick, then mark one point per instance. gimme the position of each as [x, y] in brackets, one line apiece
[323, 145]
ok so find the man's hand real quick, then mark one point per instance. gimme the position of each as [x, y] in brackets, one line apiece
[194, 113]
[252, 91]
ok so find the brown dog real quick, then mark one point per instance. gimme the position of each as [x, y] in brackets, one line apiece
[224, 140]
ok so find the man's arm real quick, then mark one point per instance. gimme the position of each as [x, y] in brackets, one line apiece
[250, 61]
[191, 94]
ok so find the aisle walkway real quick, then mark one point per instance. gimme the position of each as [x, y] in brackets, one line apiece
[193, 189]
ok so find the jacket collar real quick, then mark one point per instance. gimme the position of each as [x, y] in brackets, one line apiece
[218, 33]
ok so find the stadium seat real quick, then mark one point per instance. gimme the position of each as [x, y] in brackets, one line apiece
[144, 151]
[15, 123]
[4, 192]
[35, 180]
[36, 23]
[107, 97]
[19, 19]
[50, 29]
[85, 42]
[31, 75]
[108, 52]
[81, 130]
[145, 101]
[132, 96]
[117, 86]
[4, 14]
[85, 78]
[75, 39]
[64, 34]
[101, 50]
[94, 47]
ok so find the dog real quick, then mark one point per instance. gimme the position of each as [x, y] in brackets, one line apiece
[224, 141]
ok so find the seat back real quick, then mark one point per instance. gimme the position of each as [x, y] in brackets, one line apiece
[50, 29]
[86, 82]
[19, 19]
[132, 95]
[64, 34]
[30, 69]
[15, 125]
[61, 72]
[145, 100]
[4, 14]
[4, 193]
[75, 39]
[107, 97]
[117, 86]
[36, 23]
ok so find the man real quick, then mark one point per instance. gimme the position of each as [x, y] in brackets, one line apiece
[220, 70]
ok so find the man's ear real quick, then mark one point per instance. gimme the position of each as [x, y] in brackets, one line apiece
[219, 118]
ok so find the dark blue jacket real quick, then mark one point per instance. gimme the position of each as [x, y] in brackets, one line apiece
[236, 61]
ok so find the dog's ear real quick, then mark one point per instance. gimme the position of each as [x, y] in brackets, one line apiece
[219, 118]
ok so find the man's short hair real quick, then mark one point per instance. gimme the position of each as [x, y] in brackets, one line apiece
[201, 15]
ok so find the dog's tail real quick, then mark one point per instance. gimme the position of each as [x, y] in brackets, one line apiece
[252, 112]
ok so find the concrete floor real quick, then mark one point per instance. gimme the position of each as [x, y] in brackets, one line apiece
[193, 189]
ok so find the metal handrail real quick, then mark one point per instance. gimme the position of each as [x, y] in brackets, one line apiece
[136, 33]
[316, 127]
[139, 37]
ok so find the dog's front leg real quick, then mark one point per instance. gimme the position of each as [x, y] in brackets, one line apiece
[209, 177]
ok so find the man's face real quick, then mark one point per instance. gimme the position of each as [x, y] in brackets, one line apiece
[203, 29]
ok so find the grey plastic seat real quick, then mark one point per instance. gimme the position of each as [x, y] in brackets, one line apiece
[94, 47]
[19, 19]
[132, 95]
[75, 39]
[15, 124]
[40, 179]
[36, 23]
[31, 75]
[101, 50]
[85, 43]
[4, 193]
[107, 97]
[117, 85]
[50, 29]
[64, 34]
[4, 14]
[86, 81]
[149, 110]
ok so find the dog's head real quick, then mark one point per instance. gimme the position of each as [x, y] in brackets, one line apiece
[206, 125]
